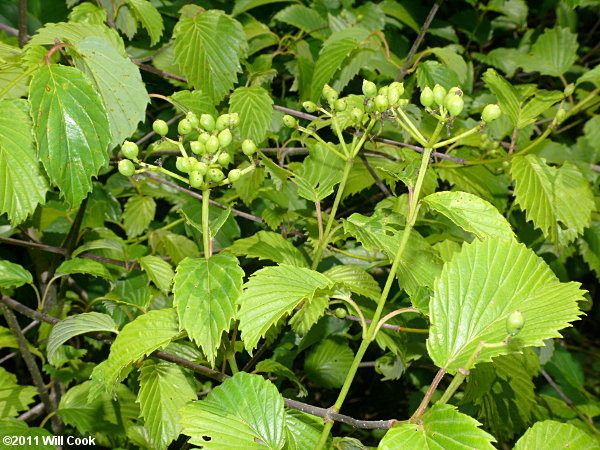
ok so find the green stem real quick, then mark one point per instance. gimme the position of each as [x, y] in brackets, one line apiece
[410, 128]
[459, 137]
[147, 235]
[326, 144]
[339, 134]
[205, 224]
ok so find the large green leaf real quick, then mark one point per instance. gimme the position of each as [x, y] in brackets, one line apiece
[303, 17]
[268, 245]
[442, 427]
[208, 47]
[13, 397]
[254, 105]
[119, 83]
[554, 199]
[508, 97]
[303, 430]
[206, 291]
[328, 363]
[320, 172]
[195, 101]
[84, 265]
[13, 275]
[22, 184]
[19, 428]
[73, 33]
[71, 128]
[356, 280]
[139, 212]
[552, 435]
[164, 389]
[245, 5]
[589, 245]
[553, 53]
[484, 284]
[159, 271]
[174, 245]
[138, 338]
[471, 213]
[272, 293]
[246, 411]
[76, 325]
[147, 14]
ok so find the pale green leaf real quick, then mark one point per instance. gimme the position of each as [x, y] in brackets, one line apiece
[71, 128]
[593, 76]
[589, 245]
[431, 73]
[84, 265]
[159, 271]
[272, 366]
[125, 22]
[304, 18]
[355, 279]
[119, 83]
[442, 427]
[164, 389]
[14, 397]
[453, 61]
[320, 172]
[268, 245]
[8, 340]
[328, 363]
[208, 47]
[247, 186]
[139, 212]
[88, 13]
[76, 325]
[176, 246]
[477, 291]
[73, 33]
[541, 101]
[272, 293]
[553, 435]
[553, 53]
[147, 14]
[245, 5]
[35, 435]
[206, 291]
[22, 184]
[13, 275]
[308, 314]
[508, 98]
[254, 105]
[471, 213]
[303, 430]
[195, 101]
[245, 412]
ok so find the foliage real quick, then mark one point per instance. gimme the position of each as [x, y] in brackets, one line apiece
[283, 225]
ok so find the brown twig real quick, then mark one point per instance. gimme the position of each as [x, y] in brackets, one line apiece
[23, 37]
[382, 187]
[9, 29]
[162, 73]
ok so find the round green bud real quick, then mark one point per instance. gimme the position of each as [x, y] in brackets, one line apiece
[560, 115]
[393, 95]
[204, 137]
[130, 150]
[490, 112]
[326, 90]
[569, 89]
[248, 147]
[331, 97]
[160, 127]
[515, 323]
[197, 148]
[234, 120]
[212, 145]
[340, 105]
[383, 90]
[225, 137]
[439, 93]
[309, 107]
[426, 97]
[455, 105]
[397, 85]
[455, 91]
[207, 122]
[193, 118]
[201, 167]
[234, 175]
[381, 103]
[216, 175]
[223, 121]
[289, 121]
[224, 159]
[183, 164]
[184, 127]
[126, 168]
[196, 179]
[369, 106]
[357, 115]
[369, 88]
[341, 313]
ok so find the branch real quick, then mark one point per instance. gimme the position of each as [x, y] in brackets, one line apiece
[162, 73]
[382, 187]
[8, 302]
[9, 29]
[23, 37]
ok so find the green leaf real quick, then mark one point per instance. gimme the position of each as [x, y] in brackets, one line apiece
[76, 325]
[589, 245]
[245, 5]
[35, 435]
[508, 97]
[119, 83]
[84, 265]
[246, 411]
[268, 245]
[22, 184]
[431, 73]
[164, 389]
[552, 198]
[471, 213]
[308, 314]
[208, 47]
[13, 275]
[453, 61]
[554, 435]
[159, 271]
[73, 33]
[553, 53]
[477, 291]
[328, 363]
[272, 293]
[195, 101]
[88, 13]
[541, 101]
[320, 172]
[139, 212]
[206, 291]
[307, 19]
[142, 336]
[176, 246]
[440, 427]
[71, 128]
[303, 430]
[254, 105]
[14, 397]
[147, 14]
[593, 76]
[355, 279]
[271, 366]
[8, 340]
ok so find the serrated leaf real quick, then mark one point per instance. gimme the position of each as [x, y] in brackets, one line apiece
[71, 128]
[551, 196]
[74, 33]
[76, 325]
[119, 83]
[471, 213]
[593, 76]
[328, 363]
[139, 212]
[541, 101]
[176, 246]
[254, 105]
[84, 265]
[164, 389]
[268, 245]
[589, 245]
[13, 396]
[303, 430]
[206, 291]
[355, 279]
[245, 5]
[88, 13]
[554, 435]
[308, 314]
[553, 53]
[303, 17]
[246, 411]
[208, 47]
[508, 98]
[195, 101]
[477, 291]
[431, 73]
[320, 172]
[270, 294]
[13, 275]
[272, 366]
[147, 14]
[247, 186]
[22, 183]
[440, 427]
[159, 271]
[35, 435]
[453, 61]
[8, 340]
[142, 336]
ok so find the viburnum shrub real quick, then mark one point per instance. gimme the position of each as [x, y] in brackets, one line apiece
[319, 225]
